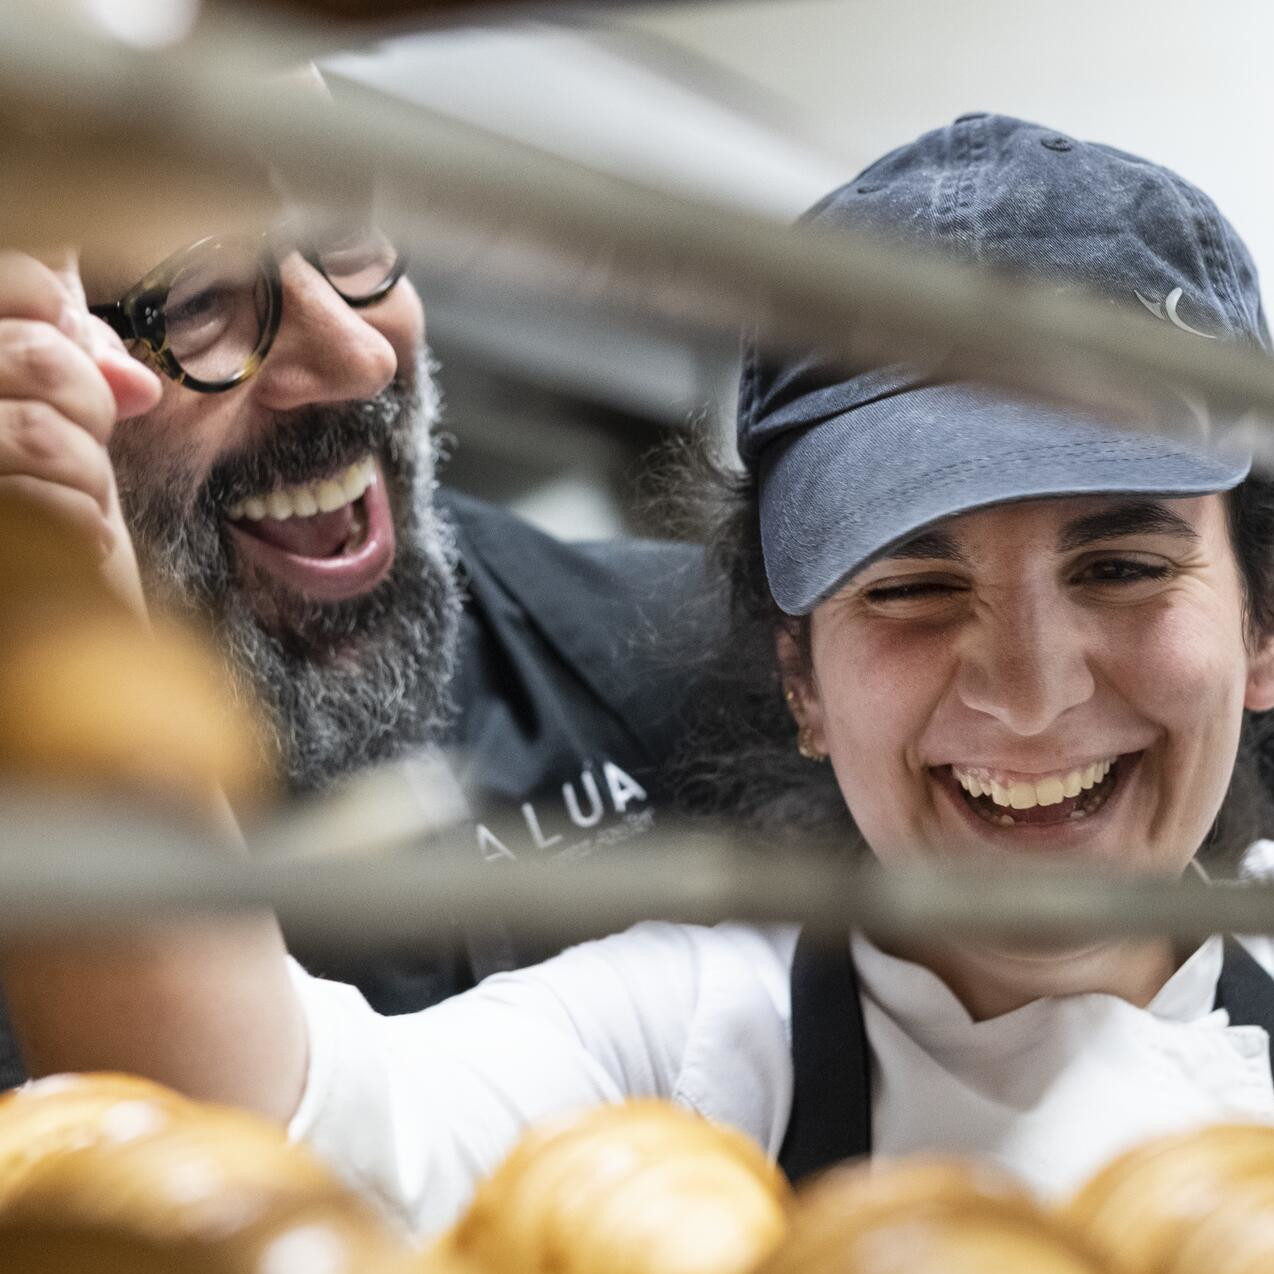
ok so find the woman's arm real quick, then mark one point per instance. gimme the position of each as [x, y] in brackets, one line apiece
[208, 1008]
[414, 1110]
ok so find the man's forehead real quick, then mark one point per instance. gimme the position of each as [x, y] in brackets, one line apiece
[108, 271]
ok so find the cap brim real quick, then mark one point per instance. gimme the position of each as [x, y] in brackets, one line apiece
[836, 495]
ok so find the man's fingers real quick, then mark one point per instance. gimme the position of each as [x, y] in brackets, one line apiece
[136, 388]
[75, 509]
[30, 290]
[65, 263]
[52, 292]
[36, 441]
[37, 361]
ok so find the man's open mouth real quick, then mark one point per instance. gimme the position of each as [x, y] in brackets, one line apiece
[328, 540]
[1063, 796]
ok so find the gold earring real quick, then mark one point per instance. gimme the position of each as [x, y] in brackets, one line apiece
[805, 745]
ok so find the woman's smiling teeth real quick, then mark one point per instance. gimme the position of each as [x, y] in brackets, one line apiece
[1063, 796]
[1024, 795]
[324, 496]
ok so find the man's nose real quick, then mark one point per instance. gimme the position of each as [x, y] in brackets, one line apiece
[326, 351]
[1025, 665]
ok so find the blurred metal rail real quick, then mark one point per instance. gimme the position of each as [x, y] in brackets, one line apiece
[66, 869]
[116, 128]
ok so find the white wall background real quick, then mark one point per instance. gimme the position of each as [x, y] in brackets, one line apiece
[1189, 83]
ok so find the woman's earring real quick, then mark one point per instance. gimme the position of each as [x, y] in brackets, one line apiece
[805, 735]
[805, 745]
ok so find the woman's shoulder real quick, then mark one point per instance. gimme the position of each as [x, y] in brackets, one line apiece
[657, 958]
[698, 1014]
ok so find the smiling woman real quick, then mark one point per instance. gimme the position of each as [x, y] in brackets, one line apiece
[1081, 661]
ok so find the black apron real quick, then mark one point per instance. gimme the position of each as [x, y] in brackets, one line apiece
[831, 1103]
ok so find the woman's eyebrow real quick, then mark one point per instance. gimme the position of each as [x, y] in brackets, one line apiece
[927, 544]
[1141, 517]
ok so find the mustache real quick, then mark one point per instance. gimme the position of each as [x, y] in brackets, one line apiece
[314, 441]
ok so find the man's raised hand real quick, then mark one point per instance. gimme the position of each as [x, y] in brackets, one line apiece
[65, 380]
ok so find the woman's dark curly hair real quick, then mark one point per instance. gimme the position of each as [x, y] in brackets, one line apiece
[740, 760]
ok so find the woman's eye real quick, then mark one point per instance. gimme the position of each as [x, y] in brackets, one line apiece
[1124, 571]
[913, 590]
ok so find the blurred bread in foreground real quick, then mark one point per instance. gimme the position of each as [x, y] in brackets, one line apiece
[924, 1216]
[1181, 1204]
[1236, 1236]
[119, 1165]
[644, 1187]
[302, 1243]
[91, 699]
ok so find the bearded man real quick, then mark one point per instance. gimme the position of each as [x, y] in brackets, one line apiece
[246, 427]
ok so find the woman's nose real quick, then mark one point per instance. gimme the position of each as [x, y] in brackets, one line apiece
[1026, 667]
[326, 351]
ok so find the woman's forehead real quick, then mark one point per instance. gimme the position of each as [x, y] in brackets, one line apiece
[1061, 524]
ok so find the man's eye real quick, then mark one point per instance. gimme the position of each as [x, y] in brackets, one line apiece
[200, 307]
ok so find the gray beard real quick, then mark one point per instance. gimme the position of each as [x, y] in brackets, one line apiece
[343, 685]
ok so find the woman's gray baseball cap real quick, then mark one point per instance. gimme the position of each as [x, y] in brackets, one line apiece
[849, 467]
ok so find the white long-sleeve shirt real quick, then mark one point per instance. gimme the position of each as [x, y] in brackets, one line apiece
[416, 1109]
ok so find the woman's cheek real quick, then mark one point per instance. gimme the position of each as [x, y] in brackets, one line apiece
[1185, 669]
[877, 693]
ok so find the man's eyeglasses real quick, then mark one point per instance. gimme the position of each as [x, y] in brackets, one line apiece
[209, 313]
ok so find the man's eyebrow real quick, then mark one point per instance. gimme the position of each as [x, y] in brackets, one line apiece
[937, 544]
[1140, 517]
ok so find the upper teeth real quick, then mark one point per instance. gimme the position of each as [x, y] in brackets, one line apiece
[310, 498]
[1023, 795]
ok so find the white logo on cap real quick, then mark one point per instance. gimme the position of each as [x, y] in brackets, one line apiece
[1170, 303]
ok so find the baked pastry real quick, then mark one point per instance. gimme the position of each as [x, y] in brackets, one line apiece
[639, 1188]
[89, 698]
[924, 1216]
[1236, 1237]
[111, 1155]
[1143, 1208]
[305, 1241]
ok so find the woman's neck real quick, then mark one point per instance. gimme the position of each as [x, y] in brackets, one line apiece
[990, 981]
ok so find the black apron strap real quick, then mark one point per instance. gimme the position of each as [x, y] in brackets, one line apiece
[831, 1095]
[1246, 991]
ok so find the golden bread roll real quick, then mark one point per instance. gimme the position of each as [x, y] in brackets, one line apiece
[46, 569]
[114, 1154]
[1142, 1207]
[305, 1241]
[65, 1112]
[1236, 1236]
[89, 698]
[924, 1216]
[639, 1188]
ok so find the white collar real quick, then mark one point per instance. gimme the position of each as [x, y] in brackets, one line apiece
[920, 1002]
